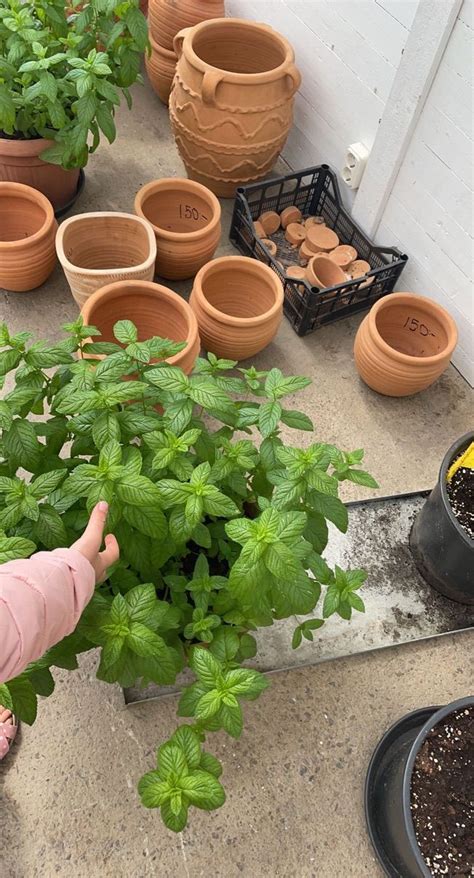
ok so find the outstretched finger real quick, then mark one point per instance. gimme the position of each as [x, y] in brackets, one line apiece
[109, 556]
[91, 539]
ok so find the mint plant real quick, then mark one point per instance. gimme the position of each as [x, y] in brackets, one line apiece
[219, 534]
[64, 69]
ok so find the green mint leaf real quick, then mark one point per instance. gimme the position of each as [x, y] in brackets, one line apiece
[205, 666]
[23, 698]
[203, 790]
[225, 645]
[125, 331]
[209, 704]
[297, 637]
[269, 417]
[12, 548]
[43, 485]
[296, 420]
[153, 790]
[360, 477]
[331, 601]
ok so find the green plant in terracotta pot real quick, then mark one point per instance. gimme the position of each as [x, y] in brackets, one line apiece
[63, 72]
[221, 526]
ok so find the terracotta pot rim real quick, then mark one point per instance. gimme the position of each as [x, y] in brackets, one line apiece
[233, 262]
[240, 78]
[184, 185]
[122, 288]
[33, 195]
[28, 147]
[412, 298]
[157, 47]
[76, 269]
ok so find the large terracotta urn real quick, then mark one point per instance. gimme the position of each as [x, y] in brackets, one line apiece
[238, 303]
[231, 105]
[167, 17]
[404, 344]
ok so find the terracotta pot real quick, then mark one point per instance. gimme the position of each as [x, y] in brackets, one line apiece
[305, 253]
[295, 233]
[27, 231]
[320, 239]
[232, 101]
[167, 17]
[186, 220]
[144, 7]
[154, 309]
[404, 344]
[343, 255]
[20, 163]
[270, 245]
[289, 215]
[322, 272]
[160, 67]
[270, 220]
[238, 303]
[96, 249]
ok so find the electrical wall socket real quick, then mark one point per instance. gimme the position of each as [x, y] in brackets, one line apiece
[356, 160]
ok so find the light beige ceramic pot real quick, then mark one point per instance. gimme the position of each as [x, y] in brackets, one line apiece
[404, 344]
[96, 249]
[186, 220]
[27, 230]
[238, 303]
[155, 310]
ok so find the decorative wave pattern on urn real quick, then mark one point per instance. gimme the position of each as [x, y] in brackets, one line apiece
[228, 120]
[225, 148]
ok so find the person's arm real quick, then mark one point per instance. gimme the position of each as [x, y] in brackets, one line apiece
[42, 598]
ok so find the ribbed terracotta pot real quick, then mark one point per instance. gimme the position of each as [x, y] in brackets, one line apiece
[238, 303]
[231, 106]
[160, 67]
[323, 272]
[154, 309]
[27, 232]
[96, 249]
[167, 17]
[20, 163]
[186, 220]
[404, 344]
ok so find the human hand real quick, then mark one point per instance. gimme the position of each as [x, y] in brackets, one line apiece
[90, 542]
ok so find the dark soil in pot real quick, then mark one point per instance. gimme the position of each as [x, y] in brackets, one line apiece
[461, 497]
[442, 795]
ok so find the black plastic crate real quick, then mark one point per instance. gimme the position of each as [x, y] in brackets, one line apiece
[316, 192]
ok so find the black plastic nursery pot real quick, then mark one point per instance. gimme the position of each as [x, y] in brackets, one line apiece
[441, 548]
[388, 791]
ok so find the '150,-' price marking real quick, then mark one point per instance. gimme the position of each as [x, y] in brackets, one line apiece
[414, 325]
[188, 212]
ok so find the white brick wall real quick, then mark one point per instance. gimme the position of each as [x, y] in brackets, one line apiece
[429, 212]
[348, 52]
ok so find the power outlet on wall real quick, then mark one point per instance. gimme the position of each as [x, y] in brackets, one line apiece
[356, 160]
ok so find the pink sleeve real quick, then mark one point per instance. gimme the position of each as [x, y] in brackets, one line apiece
[41, 600]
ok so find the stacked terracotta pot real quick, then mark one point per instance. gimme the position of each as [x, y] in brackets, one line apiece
[165, 19]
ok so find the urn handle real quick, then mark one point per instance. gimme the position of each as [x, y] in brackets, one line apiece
[179, 39]
[293, 78]
[210, 81]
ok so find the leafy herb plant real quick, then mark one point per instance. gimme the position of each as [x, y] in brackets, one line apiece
[221, 526]
[63, 70]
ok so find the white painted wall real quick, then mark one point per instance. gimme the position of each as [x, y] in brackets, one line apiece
[348, 52]
[429, 212]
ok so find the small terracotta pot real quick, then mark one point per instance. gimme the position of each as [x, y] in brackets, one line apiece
[20, 163]
[270, 221]
[238, 303]
[295, 233]
[305, 253]
[320, 239]
[322, 272]
[314, 221]
[96, 249]
[186, 220]
[154, 309]
[258, 229]
[270, 245]
[27, 231]
[167, 17]
[297, 272]
[289, 215]
[404, 344]
[160, 67]
[343, 255]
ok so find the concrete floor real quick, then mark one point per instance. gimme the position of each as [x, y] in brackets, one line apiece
[294, 810]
